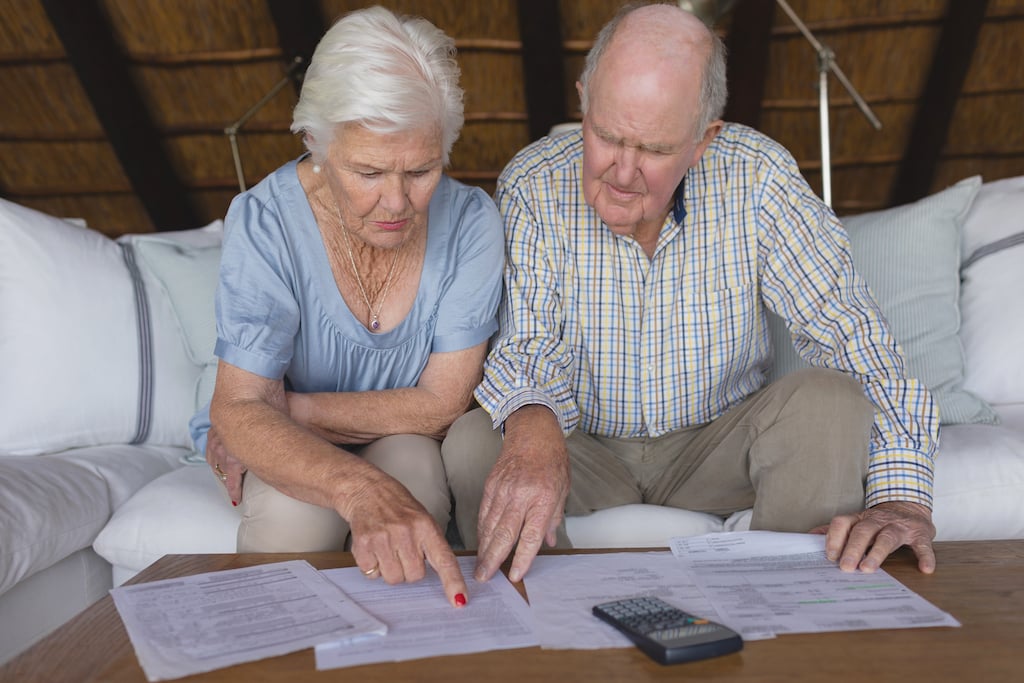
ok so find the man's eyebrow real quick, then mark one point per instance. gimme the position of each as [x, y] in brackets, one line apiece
[656, 147]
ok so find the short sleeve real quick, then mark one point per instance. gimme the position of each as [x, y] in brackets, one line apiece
[467, 313]
[257, 310]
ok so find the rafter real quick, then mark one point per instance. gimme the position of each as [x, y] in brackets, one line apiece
[749, 38]
[300, 25]
[543, 66]
[107, 80]
[928, 134]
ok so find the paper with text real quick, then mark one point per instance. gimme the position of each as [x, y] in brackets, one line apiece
[784, 583]
[563, 589]
[199, 623]
[421, 622]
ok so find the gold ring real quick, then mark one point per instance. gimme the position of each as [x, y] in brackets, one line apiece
[370, 571]
[220, 472]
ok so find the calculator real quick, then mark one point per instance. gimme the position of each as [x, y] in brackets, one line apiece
[667, 634]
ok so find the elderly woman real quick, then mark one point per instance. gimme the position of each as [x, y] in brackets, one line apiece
[358, 289]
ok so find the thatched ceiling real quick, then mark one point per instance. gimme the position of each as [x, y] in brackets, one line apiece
[115, 110]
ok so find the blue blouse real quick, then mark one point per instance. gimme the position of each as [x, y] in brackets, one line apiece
[280, 315]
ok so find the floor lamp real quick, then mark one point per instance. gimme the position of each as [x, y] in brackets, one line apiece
[826, 63]
[232, 130]
[710, 11]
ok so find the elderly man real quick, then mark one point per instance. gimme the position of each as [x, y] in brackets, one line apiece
[643, 253]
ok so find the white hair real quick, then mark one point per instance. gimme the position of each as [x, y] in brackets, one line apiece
[382, 71]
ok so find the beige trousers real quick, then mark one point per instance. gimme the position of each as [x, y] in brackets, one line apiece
[275, 522]
[796, 451]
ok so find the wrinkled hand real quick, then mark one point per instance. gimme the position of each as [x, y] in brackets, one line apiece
[227, 467]
[393, 537]
[524, 497]
[863, 540]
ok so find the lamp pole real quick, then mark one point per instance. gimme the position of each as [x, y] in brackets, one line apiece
[827, 63]
[232, 130]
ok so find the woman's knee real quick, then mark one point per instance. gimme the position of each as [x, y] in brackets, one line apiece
[275, 522]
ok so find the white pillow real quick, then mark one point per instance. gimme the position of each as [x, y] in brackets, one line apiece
[992, 293]
[182, 512]
[69, 337]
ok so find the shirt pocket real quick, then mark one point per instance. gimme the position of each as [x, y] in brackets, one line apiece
[715, 332]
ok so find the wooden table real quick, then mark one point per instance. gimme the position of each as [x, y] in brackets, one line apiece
[981, 583]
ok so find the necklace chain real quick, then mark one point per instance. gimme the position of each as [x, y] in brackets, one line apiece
[374, 316]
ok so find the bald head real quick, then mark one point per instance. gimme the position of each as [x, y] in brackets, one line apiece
[665, 46]
[647, 114]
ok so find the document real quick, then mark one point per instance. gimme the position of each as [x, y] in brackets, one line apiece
[563, 589]
[759, 583]
[783, 583]
[421, 622]
[199, 623]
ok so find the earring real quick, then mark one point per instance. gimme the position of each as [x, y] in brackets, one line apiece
[316, 168]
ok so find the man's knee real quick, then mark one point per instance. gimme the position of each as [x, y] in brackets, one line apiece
[470, 448]
[825, 395]
[414, 460]
[469, 452]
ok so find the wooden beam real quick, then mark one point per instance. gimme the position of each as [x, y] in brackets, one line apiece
[928, 133]
[107, 80]
[540, 28]
[748, 42]
[300, 26]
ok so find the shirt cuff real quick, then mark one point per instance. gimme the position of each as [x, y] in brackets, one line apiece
[525, 397]
[899, 475]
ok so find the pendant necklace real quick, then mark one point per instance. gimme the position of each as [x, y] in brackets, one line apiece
[374, 316]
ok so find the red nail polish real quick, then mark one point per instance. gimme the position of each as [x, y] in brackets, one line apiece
[460, 600]
[234, 503]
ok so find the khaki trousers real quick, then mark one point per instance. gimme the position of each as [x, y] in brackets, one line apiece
[796, 451]
[275, 522]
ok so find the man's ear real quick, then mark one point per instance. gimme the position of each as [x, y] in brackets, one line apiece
[709, 134]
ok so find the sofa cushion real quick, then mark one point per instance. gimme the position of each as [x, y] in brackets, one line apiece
[992, 293]
[979, 480]
[187, 511]
[910, 257]
[53, 505]
[184, 511]
[637, 526]
[77, 370]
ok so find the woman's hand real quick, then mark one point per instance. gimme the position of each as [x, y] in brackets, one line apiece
[227, 467]
[393, 536]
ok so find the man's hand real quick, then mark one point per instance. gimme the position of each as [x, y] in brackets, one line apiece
[863, 541]
[524, 497]
[227, 467]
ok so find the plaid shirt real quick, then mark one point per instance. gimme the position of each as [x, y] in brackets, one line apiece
[620, 345]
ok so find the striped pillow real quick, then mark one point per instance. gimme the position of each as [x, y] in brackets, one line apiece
[910, 257]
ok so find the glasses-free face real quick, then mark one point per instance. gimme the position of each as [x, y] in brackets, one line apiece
[383, 182]
[639, 140]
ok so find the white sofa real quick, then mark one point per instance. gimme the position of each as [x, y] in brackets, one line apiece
[107, 352]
